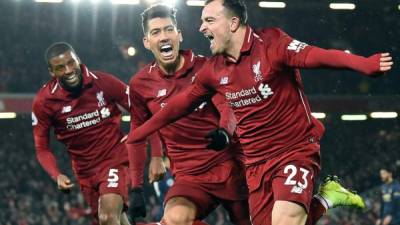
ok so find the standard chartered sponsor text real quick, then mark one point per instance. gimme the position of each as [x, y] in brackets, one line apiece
[232, 96]
[84, 120]
[241, 93]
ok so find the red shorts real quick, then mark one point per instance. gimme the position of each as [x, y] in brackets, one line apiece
[225, 181]
[289, 178]
[107, 180]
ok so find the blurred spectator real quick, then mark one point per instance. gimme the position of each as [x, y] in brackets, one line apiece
[101, 33]
[390, 198]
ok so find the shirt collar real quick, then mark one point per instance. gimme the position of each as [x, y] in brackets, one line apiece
[247, 43]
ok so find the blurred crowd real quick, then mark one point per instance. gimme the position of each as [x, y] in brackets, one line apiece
[28, 195]
[355, 151]
[101, 35]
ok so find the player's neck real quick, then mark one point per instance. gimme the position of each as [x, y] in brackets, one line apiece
[172, 68]
[236, 43]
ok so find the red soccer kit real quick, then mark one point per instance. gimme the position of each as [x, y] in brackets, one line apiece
[89, 126]
[203, 175]
[279, 136]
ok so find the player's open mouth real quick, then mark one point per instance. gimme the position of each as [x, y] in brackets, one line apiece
[210, 38]
[166, 50]
[71, 79]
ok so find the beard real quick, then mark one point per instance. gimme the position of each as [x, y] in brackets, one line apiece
[74, 89]
[171, 67]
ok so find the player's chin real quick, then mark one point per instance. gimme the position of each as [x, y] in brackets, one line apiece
[214, 51]
[74, 84]
[167, 61]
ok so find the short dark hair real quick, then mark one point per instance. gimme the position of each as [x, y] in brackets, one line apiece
[56, 49]
[236, 8]
[157, 11]
[388, 168]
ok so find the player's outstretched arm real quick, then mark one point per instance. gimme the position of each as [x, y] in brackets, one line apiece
[219, 138]
[227, 117]
[374, 65]
[179, 106]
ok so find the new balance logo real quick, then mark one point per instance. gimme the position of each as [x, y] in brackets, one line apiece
[224, 80]
[112, 185]
[265, 90]
[296, 46]
[66, 109]
[161, 93]
[297, 190]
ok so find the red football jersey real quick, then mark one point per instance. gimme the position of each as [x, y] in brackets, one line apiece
[265, 91]
[88, 124]
[264, 88]
[150, 90]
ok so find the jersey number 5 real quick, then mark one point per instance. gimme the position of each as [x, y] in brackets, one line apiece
[113, 178]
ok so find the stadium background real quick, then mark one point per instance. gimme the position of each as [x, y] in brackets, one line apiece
[102, 34]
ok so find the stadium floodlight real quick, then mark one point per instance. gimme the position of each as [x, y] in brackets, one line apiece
[170, 3]
[398, 7]
[125, 2]
[350, 117]
[131, 51]
[75, 1]
[49, 1]
[319, 115]
[8, 115]
[342, 6]
[126, 118]
[195, 2]
[151, 1]
[383, 115]
[266, 4]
